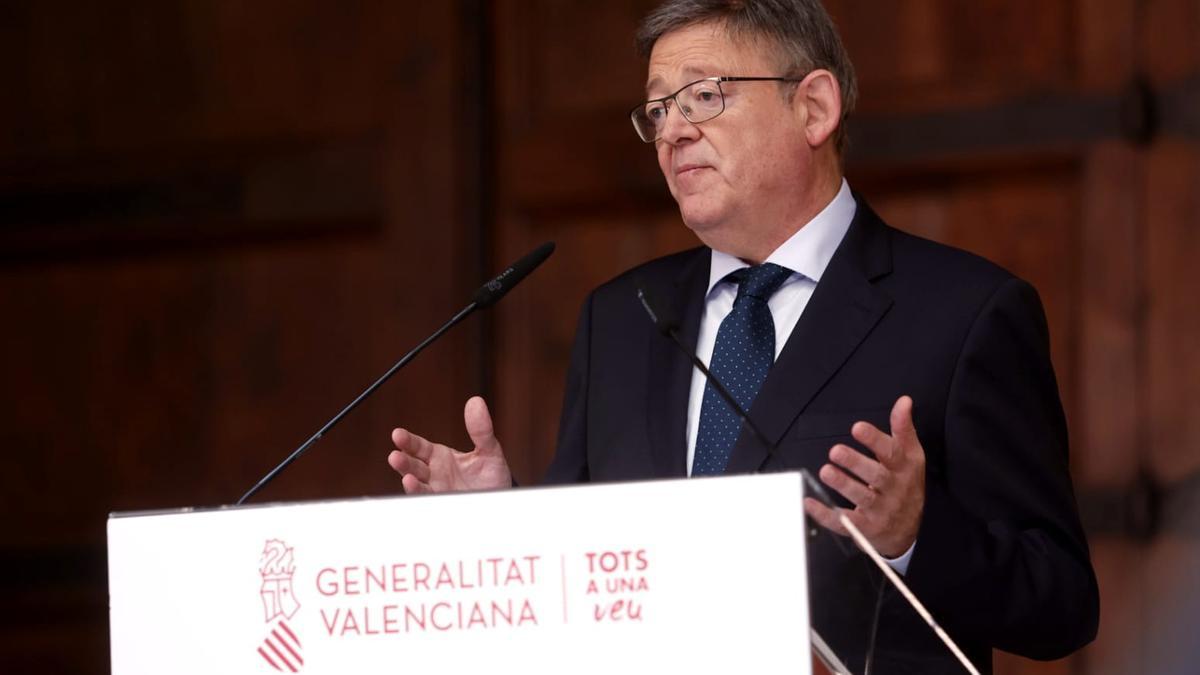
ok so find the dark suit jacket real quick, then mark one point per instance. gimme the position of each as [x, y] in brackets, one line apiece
[1001, 560]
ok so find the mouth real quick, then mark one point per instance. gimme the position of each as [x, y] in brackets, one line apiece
[686, 169]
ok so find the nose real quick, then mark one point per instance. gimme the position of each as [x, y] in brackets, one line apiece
[677, 129]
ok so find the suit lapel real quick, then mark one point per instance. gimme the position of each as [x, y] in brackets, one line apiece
[670, 375]
[843, 310]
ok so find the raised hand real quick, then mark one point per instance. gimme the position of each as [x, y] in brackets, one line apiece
[888, 492]
[433, 467]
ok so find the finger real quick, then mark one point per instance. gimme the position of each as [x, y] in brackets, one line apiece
[478, 421]
[868, 470]
[903, 430]
[895, 449]
[825, 516]
[850, 488]
[405, 464]
[413, 486]
[395, 461]
[876, 441]
[413, 444]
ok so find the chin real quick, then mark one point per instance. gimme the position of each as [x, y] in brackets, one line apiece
[715, 229]
[701, 215]
[711, 234]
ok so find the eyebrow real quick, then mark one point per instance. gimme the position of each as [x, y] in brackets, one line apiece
[691, 72]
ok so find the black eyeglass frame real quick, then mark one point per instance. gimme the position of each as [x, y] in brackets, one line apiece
[672, 97]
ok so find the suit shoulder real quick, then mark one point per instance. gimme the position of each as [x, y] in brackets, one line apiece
[959, 285]
[938, 265]
[655, 274]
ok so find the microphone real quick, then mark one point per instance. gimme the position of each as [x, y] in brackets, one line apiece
[489, 293]
[668, 326]
[486, 296]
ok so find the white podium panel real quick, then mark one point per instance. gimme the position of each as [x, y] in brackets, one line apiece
[697, 576]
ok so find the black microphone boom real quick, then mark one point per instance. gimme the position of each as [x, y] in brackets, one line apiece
[486, 296]
[667, 325]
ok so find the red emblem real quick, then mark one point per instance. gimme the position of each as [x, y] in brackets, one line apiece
[280, 648]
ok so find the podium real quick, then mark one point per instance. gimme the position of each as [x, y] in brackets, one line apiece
[638, 577]
[703, 575]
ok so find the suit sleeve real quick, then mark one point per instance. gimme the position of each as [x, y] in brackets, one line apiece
[570, 463]
[1001, 556]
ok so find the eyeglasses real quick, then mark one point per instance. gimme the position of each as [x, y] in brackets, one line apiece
[699, 102]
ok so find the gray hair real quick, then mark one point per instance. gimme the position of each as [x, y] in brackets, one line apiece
[801, 29]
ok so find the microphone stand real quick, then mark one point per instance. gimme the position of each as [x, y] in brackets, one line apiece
[462, 314]
[487, 295]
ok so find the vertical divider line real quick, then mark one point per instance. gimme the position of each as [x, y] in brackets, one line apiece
[563, 568]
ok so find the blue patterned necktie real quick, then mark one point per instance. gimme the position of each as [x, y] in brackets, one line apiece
[742, 355]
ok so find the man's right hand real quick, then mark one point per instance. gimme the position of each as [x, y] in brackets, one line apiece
[433, 467]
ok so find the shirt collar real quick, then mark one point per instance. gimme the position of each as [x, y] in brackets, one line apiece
[808, 251]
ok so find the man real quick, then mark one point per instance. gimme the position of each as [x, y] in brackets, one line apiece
[830, 327]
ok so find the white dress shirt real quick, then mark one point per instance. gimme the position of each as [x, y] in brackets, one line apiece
[806, 253]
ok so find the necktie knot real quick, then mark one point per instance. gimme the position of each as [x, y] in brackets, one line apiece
[759, 281]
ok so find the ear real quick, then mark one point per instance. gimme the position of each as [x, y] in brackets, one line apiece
[820, 97]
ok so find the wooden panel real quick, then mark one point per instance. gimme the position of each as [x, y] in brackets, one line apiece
[558, 60]
[155, 73]
[1108, 426]
[1172, 209]
[1173, 245]
[234, 218]
[1168, 569]
[1108, 43]
[930, 54]
[1168, 36]
[1149, 583]
[567, 76]
[1123, 607]
[142, 204]
[153, 358]
[1172, 582]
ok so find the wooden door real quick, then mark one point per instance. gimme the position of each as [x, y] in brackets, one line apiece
[219, 222]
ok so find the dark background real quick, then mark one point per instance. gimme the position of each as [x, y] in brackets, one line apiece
[220, 220]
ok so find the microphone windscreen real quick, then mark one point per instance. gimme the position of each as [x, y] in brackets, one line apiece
[504, 282]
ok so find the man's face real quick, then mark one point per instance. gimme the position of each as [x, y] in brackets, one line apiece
[735, 176]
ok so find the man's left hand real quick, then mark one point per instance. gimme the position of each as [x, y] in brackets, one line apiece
[888, 492]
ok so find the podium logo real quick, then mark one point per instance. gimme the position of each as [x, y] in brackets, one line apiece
[280, 648]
